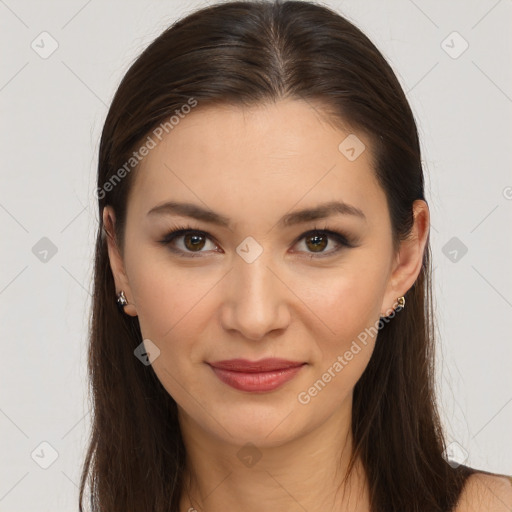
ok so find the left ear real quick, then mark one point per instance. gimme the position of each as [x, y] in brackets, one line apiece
[409, 258]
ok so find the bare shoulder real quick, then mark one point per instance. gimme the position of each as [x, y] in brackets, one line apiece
[486, 492]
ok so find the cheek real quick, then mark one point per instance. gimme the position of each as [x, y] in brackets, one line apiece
[174, 313]
[348, 300]
[167, 296]
[169, 309]
[349, 309]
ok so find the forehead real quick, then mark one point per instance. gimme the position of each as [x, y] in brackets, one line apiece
[250, 160]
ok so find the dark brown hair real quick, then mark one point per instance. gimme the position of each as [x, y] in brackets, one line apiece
[247, 53]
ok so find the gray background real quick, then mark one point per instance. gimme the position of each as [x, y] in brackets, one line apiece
[52, 110]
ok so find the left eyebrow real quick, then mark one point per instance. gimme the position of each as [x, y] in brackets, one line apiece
[321, 212]
[298, 217]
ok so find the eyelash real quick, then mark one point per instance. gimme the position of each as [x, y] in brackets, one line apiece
[343, 240]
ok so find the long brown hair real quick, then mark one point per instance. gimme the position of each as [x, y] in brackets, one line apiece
[247, 53]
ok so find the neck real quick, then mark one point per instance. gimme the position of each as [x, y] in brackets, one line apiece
[305, 473]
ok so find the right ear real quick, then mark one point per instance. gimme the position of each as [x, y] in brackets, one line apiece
[116, 261]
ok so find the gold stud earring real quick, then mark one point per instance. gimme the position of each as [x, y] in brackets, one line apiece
[401, 304]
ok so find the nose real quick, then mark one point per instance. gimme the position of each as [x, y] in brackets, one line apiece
[255, 299]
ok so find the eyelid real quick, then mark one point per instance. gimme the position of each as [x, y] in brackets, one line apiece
[333, 233]
[343, 239]
[179, 231]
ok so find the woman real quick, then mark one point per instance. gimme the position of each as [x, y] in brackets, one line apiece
[262, 328]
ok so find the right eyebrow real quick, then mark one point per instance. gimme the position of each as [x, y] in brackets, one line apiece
[197, 212]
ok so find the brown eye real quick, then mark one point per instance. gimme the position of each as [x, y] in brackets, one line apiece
[193, 241]
[318, 242]
[187, 242]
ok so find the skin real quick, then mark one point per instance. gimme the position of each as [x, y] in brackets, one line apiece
[253, 166]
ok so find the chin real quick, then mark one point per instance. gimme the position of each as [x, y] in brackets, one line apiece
[264, 424]
[260, 436]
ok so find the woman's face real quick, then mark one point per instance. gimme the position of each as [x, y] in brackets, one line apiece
[259, 286]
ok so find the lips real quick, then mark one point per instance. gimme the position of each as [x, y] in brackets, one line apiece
[263, 365]
[256, 376]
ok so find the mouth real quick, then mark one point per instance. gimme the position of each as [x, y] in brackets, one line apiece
[256, 376]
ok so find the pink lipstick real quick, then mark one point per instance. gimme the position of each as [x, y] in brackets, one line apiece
[256, 376]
